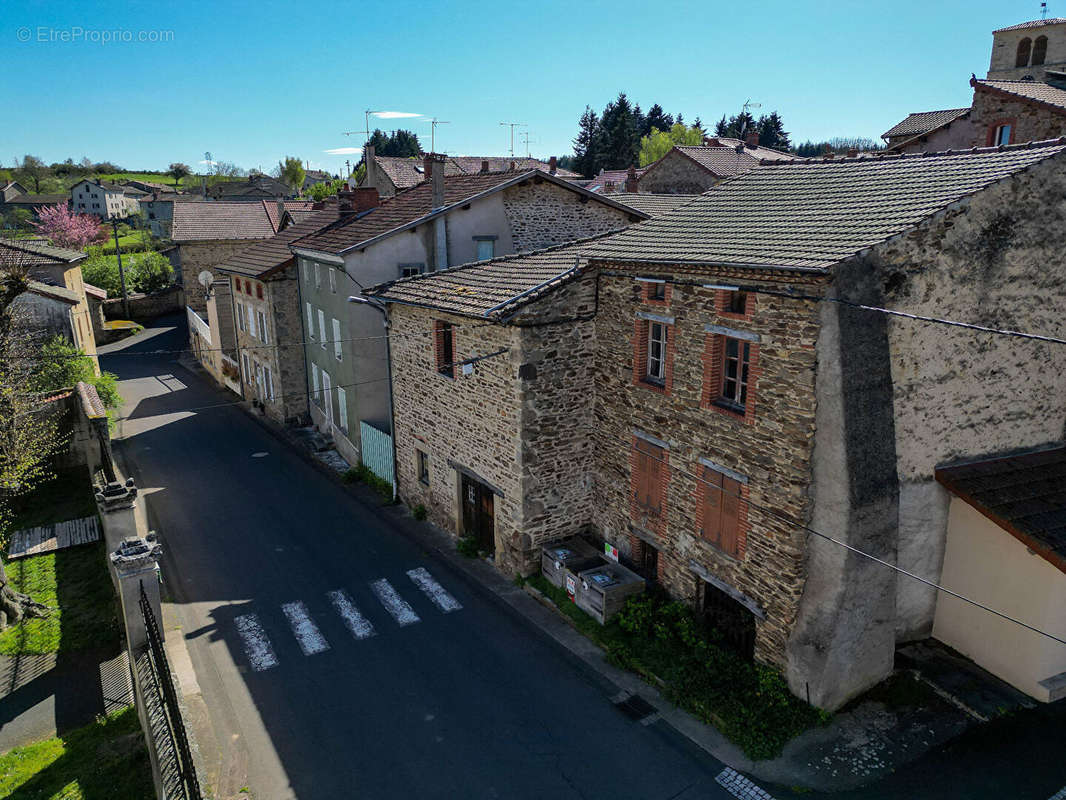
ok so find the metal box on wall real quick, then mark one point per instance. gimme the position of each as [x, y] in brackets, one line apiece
[602, 590]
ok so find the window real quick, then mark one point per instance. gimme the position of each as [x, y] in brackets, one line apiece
[261, 319]
[645, 560]
[1039, 50]
[310, 322]
[259, 290]
[251, 320]
[1023, 53]
[318, 276]
[337, 339]
[322, 328]
[735, 363]
[241, 324]
[720, 517]
[1002, 135]
[268, 384]
[736, 303]
[342, 409]
[486, 248]
[444, 346]
[410, 270]
[423, 467]
[657, 292]
[656, 366]
[316, 382]
[247, 372]
[333, 280]
[648, 472]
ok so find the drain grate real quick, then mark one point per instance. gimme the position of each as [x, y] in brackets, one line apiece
[635, 707]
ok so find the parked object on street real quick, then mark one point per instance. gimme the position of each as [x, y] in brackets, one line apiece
[572, 554]
[603, 590]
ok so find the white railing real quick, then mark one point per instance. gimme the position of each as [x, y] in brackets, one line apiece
[197, 324]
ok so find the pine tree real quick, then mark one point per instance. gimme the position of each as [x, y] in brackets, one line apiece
[585, 156]
[656, 118]
[772, 132]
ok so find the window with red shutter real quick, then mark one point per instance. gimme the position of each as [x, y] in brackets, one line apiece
[646, 480]
[721, 511]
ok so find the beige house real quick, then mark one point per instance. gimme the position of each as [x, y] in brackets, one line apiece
[1006, 545]
[104, 199]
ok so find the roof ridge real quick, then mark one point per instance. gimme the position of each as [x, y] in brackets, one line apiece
[884, 155]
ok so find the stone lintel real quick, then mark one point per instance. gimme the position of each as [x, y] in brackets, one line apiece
[729, 473]
[473, 475]
[655, 317]
[736, 594]
[732, 333]
[647, 437]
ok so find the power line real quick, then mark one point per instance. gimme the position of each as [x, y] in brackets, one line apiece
[855, 550]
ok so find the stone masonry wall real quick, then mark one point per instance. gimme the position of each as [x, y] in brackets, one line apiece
[676, 174]
[1031, 123]
[283, 292]
[771, 446]
[543, 214]
[198, 256]
[472, 421]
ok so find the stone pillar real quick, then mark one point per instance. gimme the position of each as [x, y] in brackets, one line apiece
[117, 503]
[135, 563]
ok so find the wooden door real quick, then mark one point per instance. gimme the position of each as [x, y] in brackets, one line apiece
[479, 519]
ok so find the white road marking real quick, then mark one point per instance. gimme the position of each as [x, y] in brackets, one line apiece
[260, 454]
[394, 604]
[1060, 794]
[739, 786]
[358, 624]
[256, 644]
[304, 629]
[433, 590]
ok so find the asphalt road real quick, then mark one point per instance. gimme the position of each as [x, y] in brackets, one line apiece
[464, 702]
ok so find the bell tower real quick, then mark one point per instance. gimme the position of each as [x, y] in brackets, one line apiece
[1029, 50]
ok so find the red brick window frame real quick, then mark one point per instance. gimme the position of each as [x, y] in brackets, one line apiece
[722, 508]
[649, 478]
[444, 347]
[731, 373]
[655, 291]
[237, 285]
[734, 304]
[653, 353]
[994, 129]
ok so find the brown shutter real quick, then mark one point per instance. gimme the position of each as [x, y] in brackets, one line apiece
[730, 514]
[712, 505]
[646, 480]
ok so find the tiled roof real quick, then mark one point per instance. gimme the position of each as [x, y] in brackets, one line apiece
[1024, 494]
[923, 121]
[470, 165]
[407, 172]
[1035, 23]
[271, 207]
[653, 204]
[476, 289]
[812, 214]
[38, 199]
[195, 222]
[412, 205]
[615, 176]
[726, 160]
[33, 253]
[255, 186]
[268, 255]
[1028, 90]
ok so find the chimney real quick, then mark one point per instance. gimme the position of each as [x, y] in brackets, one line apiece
[752, 139]
[281, 212]
[711, 141]
[553, 165]
[433, 164]
[346, 201]
[365, 199]
[371, 177]
[853, 152]
[484, 165]
[631, 180]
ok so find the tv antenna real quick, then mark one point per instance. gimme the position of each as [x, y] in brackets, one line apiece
[433, 123]
[512, 126]
[525, 139]
[746, 108]
[1043, 10]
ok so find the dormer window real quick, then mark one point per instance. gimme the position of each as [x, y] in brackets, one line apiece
[1024, 46]
[1039, 50]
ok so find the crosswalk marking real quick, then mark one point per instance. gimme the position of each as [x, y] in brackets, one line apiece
[358, 624]
[307, 634]
[256, 644]
[740, 787]
[394, 604]
[433, 590]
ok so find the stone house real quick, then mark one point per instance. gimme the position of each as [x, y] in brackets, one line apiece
[15, 196]
[253, 189]
[158, 210]
[266, 312]
[445, 221]
[104, 199]
[60, 268]
[692, 169]
[391, 174]
[702, 392]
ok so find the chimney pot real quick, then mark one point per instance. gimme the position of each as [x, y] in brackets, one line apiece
[434, 165]
[513, 166]
[366, 198]
[552, 165]
[852, 152]
[484, 165]
[631, 180]
[752, 139]
[345, 201]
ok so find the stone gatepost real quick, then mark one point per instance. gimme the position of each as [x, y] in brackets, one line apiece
[118, 513]
[135, 564]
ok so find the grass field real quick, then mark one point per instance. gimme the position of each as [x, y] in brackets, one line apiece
[106, 759]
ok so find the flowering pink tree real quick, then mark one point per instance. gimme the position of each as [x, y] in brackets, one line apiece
[64, 228]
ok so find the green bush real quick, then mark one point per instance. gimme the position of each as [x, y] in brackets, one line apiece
[364, 474]
[62, 365]
[419, 512]
[145, 272]
[467, 546]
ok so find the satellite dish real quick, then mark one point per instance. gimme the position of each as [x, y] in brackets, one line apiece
[205, 279]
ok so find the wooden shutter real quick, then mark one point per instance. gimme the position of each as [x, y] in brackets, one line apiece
[646, 481]
[730, 515]
[712, 506]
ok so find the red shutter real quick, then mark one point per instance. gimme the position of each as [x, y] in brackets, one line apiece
[730, 515]
[712, 508]
[646, 484]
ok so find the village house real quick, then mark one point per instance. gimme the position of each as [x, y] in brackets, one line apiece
[104, 199]
[59, 299]
[265, 293]
[390, 174]
[691, 169]
[702, 392]
[252, 189]
[158, 210]
[15, 196]
[444, 221]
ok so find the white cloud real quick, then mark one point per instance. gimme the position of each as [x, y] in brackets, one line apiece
[342, 151]
[393, 114]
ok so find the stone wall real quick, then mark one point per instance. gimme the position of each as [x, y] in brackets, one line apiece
[676, 173]
[145, 307]
[772, 448]
[542, 214]
[196, 257]
[1030, 122]
[1005, 52]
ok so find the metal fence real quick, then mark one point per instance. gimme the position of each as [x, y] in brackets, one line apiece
[164, 716]
[376, 451]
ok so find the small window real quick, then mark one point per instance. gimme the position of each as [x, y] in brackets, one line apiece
[657, 291]
[310, 322]
[735, 361]
[318, 276]
[444, 345]
[736, 302]
[259, 290]
[342, 409]
[246, 370]
[240, 317]
[268, 383]
[337, 340]
[1039, 50]
[656, 369]
[251, 320]
[486, 249]
[1002, 135]
[410, 270]
[260, 318]
[333, 280]
[322, 328]
[423, 467]
[1023, 53]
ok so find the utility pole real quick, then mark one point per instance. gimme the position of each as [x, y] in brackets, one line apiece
[121, 272]
[433, 123]
[512, 126]
[348, 164]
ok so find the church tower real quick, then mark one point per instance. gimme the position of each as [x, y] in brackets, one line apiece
[1029, 50]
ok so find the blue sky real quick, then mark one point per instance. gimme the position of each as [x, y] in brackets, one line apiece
[251, 82]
